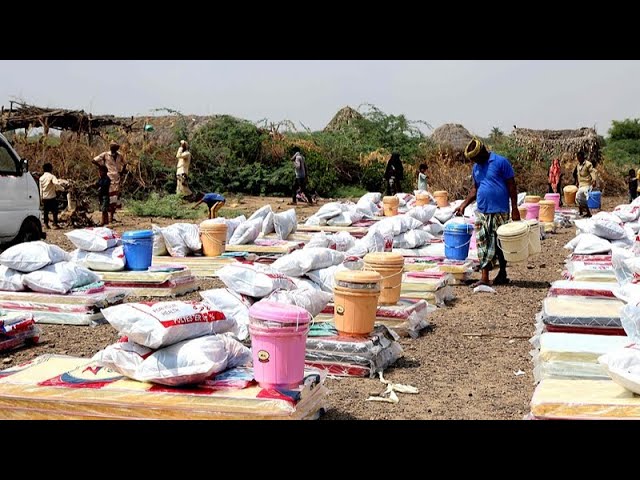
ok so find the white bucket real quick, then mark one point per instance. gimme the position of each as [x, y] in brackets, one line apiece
[534, 237]
[513, 240]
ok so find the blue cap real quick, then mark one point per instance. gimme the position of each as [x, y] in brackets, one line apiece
[133, 234]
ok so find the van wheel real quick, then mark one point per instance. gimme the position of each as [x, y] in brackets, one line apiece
[30, 231]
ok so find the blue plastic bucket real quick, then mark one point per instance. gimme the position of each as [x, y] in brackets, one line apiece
[457, 237]
[594, 200]
[138, 249]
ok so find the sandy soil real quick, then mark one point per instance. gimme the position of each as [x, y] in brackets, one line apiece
[459, 376]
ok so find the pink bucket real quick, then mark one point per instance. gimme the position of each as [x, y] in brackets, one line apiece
[533, 210]
[278, 343]
[555, 198]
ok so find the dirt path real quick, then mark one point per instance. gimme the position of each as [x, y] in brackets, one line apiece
[459, 377]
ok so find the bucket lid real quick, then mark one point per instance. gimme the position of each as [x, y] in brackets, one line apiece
[547, 202]
[358, 276]
[213, 225]
[570, 188]
[532, 222]
[440, 193]
[532, 197]
[422, 195]
[133, 234]
[390, 200]
[552, 195]
[513, 229]
[458, 227]
[279, 312]
[384, 258]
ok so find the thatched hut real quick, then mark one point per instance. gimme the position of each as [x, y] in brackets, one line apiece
[561, 143]
[345, 117]
[452, 135]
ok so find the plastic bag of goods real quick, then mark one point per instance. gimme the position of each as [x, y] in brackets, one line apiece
[10, 280]
[412, 239]
[59, 278]
[160, 324]
[423, 214]
[607, 225]
[233, 305]
[182, 239]
[285, 223]
[313, 301]
[94, 239]
[159, 245]
[254, 280]
[588, 244]
[299, 262]
[111, 260]
[268, 225]
[31, 256]
[247, 232]
[623, 366]
[232, 224]
[188, 362]
[261, 213]
[375, 197]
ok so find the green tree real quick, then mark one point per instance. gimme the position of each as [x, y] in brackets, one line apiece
[496, 135]
[628, 129]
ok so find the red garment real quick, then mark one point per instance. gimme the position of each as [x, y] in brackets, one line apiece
[554, 172]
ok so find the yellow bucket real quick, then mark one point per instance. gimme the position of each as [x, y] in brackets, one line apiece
[534, 237]
[390, 206]
[513, 240]
[213, 237]
[389, 266]
[442, 198]
[523, 212]
[355, 297]
[547, 210]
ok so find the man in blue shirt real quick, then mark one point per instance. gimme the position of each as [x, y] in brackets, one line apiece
[214, 202]
[494, 185]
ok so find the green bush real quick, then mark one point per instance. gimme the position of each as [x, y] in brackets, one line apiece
[168, 206]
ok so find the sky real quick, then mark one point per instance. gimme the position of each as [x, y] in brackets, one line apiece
[539, 94]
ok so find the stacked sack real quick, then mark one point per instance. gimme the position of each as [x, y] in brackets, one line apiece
[98, 249]
[41, 267]
[172, 343]
[177, 240]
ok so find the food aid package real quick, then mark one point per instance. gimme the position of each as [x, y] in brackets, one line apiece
[299, 262]
[31, 256]
[247, 232]
[159, 245]
[111, 260]
[59, 278]
[10, 280]
[233, 305]
[160, 324]
[313, 301]
[256, 281]
[93, 239]
[285, 223]
[182, 239]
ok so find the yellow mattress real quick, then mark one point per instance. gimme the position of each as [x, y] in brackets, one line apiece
[143, 276]
[584, 399]
[62, 387]
[200, 267]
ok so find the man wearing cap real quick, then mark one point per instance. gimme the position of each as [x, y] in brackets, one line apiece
[116, 166]
[494, 185]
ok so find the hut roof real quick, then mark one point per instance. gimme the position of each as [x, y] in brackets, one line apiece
[453, 135]
[343, 118]
[558, 142]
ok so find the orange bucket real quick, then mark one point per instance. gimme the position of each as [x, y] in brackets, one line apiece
[389, 266]
[442, 198]
[213, 237]
[570, 194]
[422, 199]
[355, 297]
[390, 206]
[532, 199]
[547, 211]
[523, 212]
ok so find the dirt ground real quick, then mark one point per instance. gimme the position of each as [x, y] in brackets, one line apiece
[458, 376]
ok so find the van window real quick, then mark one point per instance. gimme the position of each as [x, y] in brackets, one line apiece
[7, 163]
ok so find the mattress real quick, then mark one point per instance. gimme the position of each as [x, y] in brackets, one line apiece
[582, 312]
[429, 281]
[352, 356]
[266, 246]
[61, 387]
[570, 355]
[439, 297]
[407, 318]
[584, 399]
[294, 237]
[137, 277]
[62, 309]
[432, 250]
[587, 271]
[16, 330]
[582, 289]
[357, 232]
[201, 267]
[169, 289]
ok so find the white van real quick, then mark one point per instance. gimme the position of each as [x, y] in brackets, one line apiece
[19, 199]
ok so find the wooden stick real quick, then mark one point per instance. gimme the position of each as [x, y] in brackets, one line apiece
[496, 336]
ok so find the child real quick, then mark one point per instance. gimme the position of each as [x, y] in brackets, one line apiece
[422, 178]
[103, 185]
[49, 186]
[214, 202]
[633, 185]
